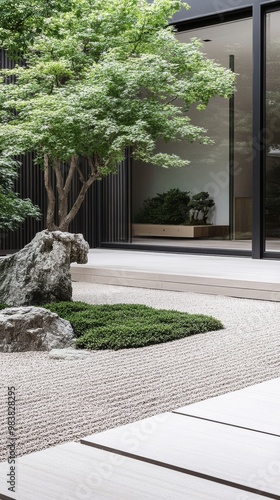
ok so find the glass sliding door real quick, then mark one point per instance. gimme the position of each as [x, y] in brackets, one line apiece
[223, 169]
[272, 133]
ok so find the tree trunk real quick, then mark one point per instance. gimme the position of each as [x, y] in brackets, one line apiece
[62, 196]
[50, 194]
[66, 216]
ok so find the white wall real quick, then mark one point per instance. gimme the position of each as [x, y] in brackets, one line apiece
[209, 164]
[207, 171]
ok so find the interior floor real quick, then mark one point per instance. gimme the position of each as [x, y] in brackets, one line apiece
[272, 245]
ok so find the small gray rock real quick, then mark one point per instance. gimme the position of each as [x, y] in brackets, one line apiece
[33, 329]
[69, 354]
[40, 272]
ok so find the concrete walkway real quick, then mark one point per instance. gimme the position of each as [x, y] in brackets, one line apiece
[225, 448]
[218, 275]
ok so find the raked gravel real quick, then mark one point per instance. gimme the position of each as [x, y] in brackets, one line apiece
[64, 400]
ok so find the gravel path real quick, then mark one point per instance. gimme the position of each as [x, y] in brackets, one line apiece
[59, 400]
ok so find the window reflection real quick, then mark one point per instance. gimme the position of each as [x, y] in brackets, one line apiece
[272, 133]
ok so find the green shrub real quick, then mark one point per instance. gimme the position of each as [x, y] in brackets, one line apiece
[165, 208]
[176, 207]
[122, 326]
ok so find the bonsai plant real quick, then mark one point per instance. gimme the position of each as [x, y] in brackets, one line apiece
[199, 206]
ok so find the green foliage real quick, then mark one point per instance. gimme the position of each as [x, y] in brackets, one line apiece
[199, 206]
[165, 208]
[122, 326]
[3, 306]
[13, 210]
[176, 207]
[23, 20]
[101, 75]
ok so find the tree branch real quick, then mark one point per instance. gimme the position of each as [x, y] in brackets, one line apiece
[79, 200]
[73, 166]
[81, 175]
[172, 100]
[93, 165]
[59, 178]
[138, 41]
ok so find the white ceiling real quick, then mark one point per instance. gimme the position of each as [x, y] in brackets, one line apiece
[228, 38]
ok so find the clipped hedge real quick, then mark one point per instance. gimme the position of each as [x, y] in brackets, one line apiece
[171, 207]
[121, 326]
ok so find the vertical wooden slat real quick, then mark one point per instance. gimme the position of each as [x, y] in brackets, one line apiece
[115, 205]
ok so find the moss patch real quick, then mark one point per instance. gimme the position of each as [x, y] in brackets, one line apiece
[121, 326]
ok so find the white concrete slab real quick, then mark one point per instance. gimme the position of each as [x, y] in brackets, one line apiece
[229, 276]
[226, 454]
[256, 407]
[76, 472]
[236, 268]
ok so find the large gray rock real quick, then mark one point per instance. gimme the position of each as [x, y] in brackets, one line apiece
[40, 272]
[33, 329]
